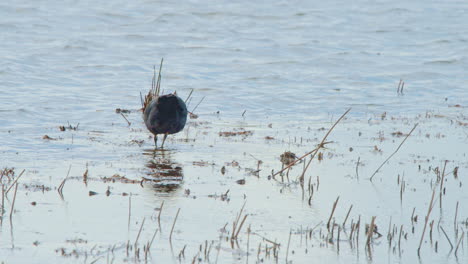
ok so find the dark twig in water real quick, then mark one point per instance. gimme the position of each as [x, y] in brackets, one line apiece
[357, 167]
[332, 212]
[448, 239]
[459, 241]
[14, 199]
[188, 97]
[159, 215]
[128, 122]
[173, 224]
[370, 231]
[195, 108]
[383, 163]
[429, 210]
[139, 232]
[60, 188]
[346, 218]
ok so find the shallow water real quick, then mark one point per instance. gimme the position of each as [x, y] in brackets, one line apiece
[285, 70]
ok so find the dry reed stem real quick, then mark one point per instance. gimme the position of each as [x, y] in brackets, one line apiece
[429, 210]
[240, 226]
[459, 241]
[448, 239]
[322, 143]
[287, 247]
[383, 163]
[13, 204]
[155, 87]
[159, 215]
[332, 212]
[346, 218]
[370, 231]
[139, 232]
[60, 188]
[442, 185]
[357, 167]
[188, 97]
[129, 210]
[195, 108]
[314, 151]
[128, 122]
[173, 225]
[17, 178]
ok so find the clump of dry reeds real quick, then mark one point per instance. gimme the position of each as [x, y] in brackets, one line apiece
[153, 93]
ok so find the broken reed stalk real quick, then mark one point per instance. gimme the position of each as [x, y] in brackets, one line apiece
[129, 210]
[2, 209]
[346, 218]
[159, 215]
[287, 247]
[357, 167]
[459, 241]
[14, 199]
[370, 231]
[188, 97]
[60, 188]
[429, 210]
[155, 87]
[234, 224]
[314, 151]
[448, 239]
[240, 226]
[442, 185]
[17, 178]
[173, 225]
[195, 108]
[128, 122]
[152, 239]
[383, 163]
[332, 212]
[139, 232]
[322, 143]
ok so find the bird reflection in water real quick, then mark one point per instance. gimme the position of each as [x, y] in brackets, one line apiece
[162, 172]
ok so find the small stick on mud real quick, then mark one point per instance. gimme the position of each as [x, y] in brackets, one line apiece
[429, 210]
[332, 212]
[128, 122]
[17, 178]
[173, 224]
[383, 163]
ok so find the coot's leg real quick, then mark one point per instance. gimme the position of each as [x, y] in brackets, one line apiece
[164, 139]
[155, 141]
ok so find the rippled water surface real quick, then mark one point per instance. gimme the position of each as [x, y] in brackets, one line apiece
[277, 73]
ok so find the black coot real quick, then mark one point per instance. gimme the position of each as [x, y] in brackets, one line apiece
[165, 114]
